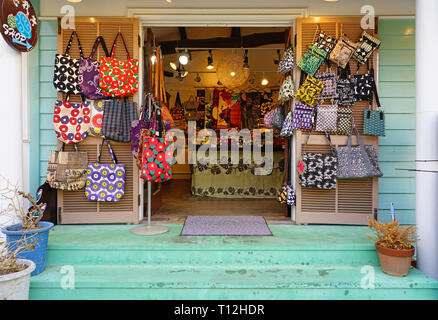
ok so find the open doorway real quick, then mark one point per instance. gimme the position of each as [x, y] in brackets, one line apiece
[220, 78]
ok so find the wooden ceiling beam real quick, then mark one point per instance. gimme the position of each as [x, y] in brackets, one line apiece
[250, 41]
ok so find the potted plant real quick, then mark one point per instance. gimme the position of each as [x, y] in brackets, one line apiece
[14, 272]
[394, 245]
[30, 227]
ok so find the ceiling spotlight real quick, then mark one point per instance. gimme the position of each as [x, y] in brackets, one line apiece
[210, 61]
[265, 81]
[173, 66]
[184, 58]
[232, 73]
[245, 60]
[198, 78]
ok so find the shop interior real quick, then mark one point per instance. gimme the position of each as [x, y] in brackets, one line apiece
[206, 82]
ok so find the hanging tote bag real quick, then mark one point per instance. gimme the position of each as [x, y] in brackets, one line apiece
[88, 76]
[287, 129]
[345, 95]
[329, 80]
[105, 182]
[309, 90]
[67, 170]
[267, 119]
[277, 118]
[117, 119]
[96, 117]
[312, 59]
[327, 118]
[325, 42]
[287, 90]
[343, 51]
[374, 122]
[71, 120]
[364, 87]
[287, 62]
[65, 78]
[357, 162]
[320, 168]
[303, 117]
[345, 120]
[118, 78]
[138, 125]
[366, 46]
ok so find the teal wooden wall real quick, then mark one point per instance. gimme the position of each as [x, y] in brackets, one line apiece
[396, 88]
[47, 96]
[397, 93]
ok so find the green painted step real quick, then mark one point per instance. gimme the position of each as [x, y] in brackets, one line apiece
[228, 282]
[290, 245]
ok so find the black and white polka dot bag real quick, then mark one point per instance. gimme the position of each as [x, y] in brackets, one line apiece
[65, 78]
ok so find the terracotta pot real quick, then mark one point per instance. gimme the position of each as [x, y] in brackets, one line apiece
[395, 262]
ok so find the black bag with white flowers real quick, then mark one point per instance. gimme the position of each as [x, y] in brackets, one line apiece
[66, 73]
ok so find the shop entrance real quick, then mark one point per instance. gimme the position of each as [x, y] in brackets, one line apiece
[218, 78]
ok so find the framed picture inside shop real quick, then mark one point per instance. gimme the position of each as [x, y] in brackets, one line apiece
[353, 201]
[73, 206]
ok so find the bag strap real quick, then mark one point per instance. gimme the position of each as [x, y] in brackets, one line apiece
[99, 40]
[124, 44]
[67, 50]
[374, 89]
[113, 156]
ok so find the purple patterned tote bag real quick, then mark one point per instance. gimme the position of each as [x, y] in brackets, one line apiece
[88, 75]
[105, 182]
[138, 125]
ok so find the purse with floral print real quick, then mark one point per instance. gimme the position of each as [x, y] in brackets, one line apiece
[367, 45]
[96, 117]
[66, 73]
[118, 78]
[343, 51]
[88, 76]
[320, 168]
[105, 182]
[287, 89]
[156, 159]
[309, 90]
[71, 120]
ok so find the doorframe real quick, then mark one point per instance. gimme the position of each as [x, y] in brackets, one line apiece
[256, 17]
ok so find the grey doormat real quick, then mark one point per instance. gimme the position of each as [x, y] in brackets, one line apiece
[225, 226]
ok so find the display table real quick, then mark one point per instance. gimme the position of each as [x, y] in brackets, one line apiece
[237, 180]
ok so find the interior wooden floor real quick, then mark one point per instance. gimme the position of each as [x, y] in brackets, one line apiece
[178, 203]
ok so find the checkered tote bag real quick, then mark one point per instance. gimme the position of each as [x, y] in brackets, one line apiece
[327, 118]
[117, 120]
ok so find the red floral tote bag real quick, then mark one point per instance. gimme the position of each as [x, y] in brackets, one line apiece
[156, 159]
[71, 120]
[118, 78]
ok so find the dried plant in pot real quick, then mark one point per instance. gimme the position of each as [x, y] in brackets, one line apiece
[394, 245]
[15, 273]
[31, 228]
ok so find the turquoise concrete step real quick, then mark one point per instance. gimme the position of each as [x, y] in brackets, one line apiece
[290, 245]
[228, 282]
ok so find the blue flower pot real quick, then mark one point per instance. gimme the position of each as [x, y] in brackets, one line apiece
[38, 255]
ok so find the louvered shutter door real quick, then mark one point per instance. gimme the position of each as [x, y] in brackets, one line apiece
[73, 207]
[353, 201]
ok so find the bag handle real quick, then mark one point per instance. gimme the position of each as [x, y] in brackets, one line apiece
[67, 50]
[124, 44]
[327, 136]
[113, 156]
[99, 40]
